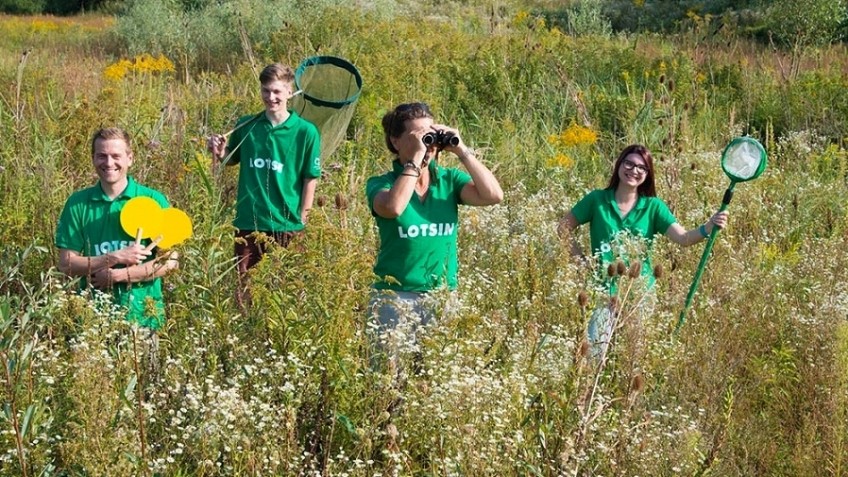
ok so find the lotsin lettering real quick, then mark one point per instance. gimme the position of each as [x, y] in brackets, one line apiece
[260, 163]
[427, 230]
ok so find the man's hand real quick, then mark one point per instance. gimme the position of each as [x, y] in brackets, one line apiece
[102, 280]
[135, 253]
[217, 145]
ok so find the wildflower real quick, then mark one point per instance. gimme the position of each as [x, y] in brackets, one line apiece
[561, 160]
[575, 135]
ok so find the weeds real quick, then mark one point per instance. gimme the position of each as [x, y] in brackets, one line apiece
[504, 383]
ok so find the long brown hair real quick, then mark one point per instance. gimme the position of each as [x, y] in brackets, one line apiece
[647, 187]
[394, 121]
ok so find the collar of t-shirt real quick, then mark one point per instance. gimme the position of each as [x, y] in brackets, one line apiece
[130, 191]
[288, 123]
[641, 202]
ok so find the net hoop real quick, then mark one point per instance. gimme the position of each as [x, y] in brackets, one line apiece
[328, 60]
[747, 140]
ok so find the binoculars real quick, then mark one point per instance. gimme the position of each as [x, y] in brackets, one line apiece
[440, 139]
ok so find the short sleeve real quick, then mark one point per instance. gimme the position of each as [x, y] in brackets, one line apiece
[585, 208]
[69, 234]
[312, 151]
[374, 186]
[459, 179]
[663, 217]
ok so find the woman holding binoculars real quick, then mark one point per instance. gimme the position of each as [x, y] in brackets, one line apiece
[415, 206]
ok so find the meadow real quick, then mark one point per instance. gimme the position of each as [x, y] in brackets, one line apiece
[754, 383]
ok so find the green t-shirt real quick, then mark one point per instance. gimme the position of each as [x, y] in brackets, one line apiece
[90, 225]
[613, 236]
[418, 248]
[273, 163]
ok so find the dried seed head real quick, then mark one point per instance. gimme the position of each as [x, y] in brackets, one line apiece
[637, 384]
[583, 299]
[662, 78]
[649, 96]
[660, 121]
[612, 270]
[391, 431]
[621, 268]
[583, 349]
[686, 106]
[321, 201]
[658, 271]
[341, 201]
[693, 166]
[635, 270]
[670, 85]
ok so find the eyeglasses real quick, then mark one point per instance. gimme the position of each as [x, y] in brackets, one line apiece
[630, 165]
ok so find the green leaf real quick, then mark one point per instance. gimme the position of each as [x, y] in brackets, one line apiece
[25, 425]
[128, 391]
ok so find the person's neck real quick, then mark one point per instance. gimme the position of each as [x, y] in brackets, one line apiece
[277, 117]
[114, 190]
[625, 194]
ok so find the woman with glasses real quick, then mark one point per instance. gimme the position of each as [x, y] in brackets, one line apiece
[415, 206]
[623, 219]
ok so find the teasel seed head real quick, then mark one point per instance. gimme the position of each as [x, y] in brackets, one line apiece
[637, 384]
[583, 299]
[621, 268]
[635, 270]
[341, 201]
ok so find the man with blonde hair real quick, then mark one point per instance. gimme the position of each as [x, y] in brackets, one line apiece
[93, 245]
[278, 154]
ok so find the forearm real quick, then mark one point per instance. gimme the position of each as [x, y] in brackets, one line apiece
[76, 265]
[391, 203]
[307, 197]
[487, 184]
[142, 272]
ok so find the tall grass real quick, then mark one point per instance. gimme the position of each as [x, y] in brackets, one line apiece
[501, 385]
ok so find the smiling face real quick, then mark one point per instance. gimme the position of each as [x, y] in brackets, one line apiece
[275, 95]
[112, 159]
[633, 170]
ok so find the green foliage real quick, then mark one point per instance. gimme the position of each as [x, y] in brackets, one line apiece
[806, 22]
[501, 385]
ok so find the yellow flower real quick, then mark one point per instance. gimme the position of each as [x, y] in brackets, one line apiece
[142, 64]
[562, 161]
[41, 26]
[576, 135]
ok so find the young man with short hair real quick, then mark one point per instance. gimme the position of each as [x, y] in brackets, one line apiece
[278, 153]
[93, 245]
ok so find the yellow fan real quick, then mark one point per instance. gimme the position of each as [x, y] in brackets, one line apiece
[176, 227]
[142, 213]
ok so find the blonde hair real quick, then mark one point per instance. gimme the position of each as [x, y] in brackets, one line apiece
[111, 133]
[276, 72]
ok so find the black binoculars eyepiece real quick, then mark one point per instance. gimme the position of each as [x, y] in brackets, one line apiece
[440, 139]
